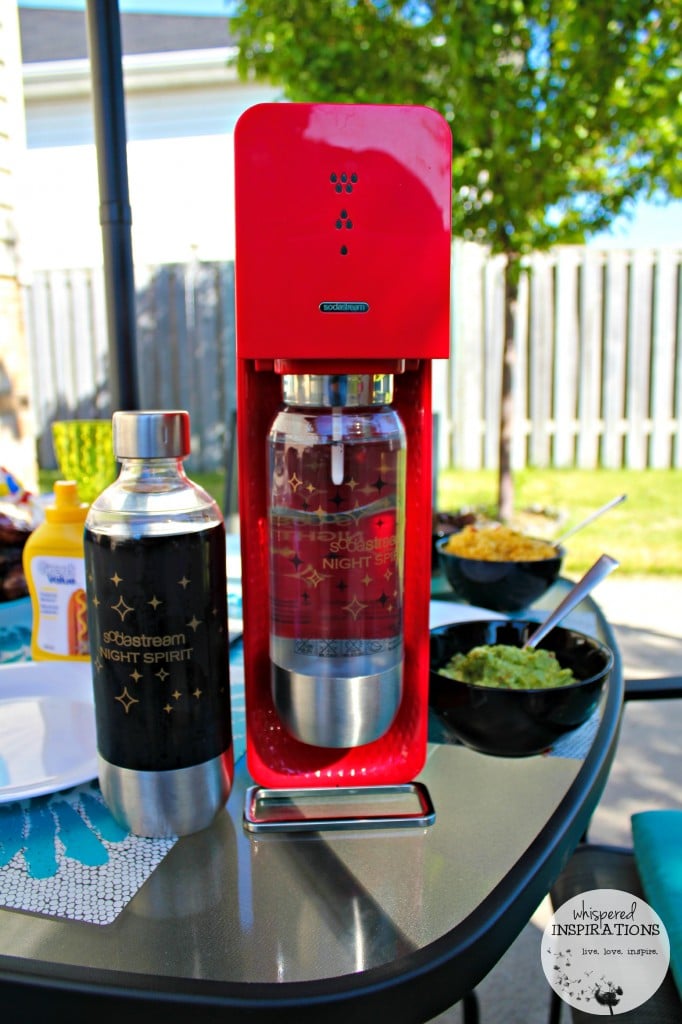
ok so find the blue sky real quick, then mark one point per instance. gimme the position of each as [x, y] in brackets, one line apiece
[650, 224]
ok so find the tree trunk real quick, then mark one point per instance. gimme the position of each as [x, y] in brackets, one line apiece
[505, 492]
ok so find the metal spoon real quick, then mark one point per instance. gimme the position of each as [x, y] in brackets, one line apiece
[601, 568]
[590, 518]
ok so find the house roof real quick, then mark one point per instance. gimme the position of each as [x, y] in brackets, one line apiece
[53, 35]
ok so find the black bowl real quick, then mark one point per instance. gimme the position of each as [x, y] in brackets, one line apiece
[445, 523]
[516, 723]
[500, 586]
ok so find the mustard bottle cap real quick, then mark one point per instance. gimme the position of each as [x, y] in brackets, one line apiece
[67, 507]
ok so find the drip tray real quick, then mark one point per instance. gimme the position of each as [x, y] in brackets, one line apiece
[405, 805]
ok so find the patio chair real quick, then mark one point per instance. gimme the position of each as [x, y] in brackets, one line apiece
[599, 866]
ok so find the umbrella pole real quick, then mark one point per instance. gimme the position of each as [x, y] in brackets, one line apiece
[104, 42]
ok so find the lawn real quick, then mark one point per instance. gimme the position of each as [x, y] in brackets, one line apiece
[644, 533]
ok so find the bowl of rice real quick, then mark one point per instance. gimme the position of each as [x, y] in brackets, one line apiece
[500, 698]
[497, 567]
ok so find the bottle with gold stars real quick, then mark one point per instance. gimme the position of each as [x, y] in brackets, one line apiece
[157, 611]
[336, 517]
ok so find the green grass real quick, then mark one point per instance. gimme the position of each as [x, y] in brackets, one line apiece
[214, 483]
[644, 533]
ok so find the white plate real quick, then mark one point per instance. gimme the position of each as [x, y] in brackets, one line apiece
[47, 728]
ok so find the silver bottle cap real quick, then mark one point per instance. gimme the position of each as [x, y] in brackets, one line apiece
[342, 390]
[155, 434]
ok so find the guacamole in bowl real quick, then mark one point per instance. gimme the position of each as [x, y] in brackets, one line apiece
[511, 668]
[554, 688]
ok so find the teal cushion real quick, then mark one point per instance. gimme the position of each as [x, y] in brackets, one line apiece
[657, 839]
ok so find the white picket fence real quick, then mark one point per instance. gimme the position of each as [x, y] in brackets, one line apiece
[185, 343]
[598, 374]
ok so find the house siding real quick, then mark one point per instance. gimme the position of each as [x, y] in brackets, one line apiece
[181, 110]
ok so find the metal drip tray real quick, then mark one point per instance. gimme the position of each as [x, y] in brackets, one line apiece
[405, 805]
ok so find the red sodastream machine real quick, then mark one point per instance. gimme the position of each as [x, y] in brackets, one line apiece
[343, 219]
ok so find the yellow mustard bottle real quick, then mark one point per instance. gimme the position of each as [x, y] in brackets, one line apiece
[54, 567]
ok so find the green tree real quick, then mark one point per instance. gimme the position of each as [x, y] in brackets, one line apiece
[563, 112]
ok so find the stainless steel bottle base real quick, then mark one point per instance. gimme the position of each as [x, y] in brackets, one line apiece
[167, 803]
[337, 711]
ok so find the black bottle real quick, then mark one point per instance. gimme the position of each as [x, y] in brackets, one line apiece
[157, 611]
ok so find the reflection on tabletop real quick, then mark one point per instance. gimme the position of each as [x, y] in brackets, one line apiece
[92, 848]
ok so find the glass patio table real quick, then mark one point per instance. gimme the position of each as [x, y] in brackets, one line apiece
[334, 925]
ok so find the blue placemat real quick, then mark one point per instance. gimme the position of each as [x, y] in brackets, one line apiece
[65, 856]
[15, 644]
[15, 613]
[15, 630]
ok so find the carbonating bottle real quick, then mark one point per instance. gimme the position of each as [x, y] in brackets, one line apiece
[336, 483]
[157, 607]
